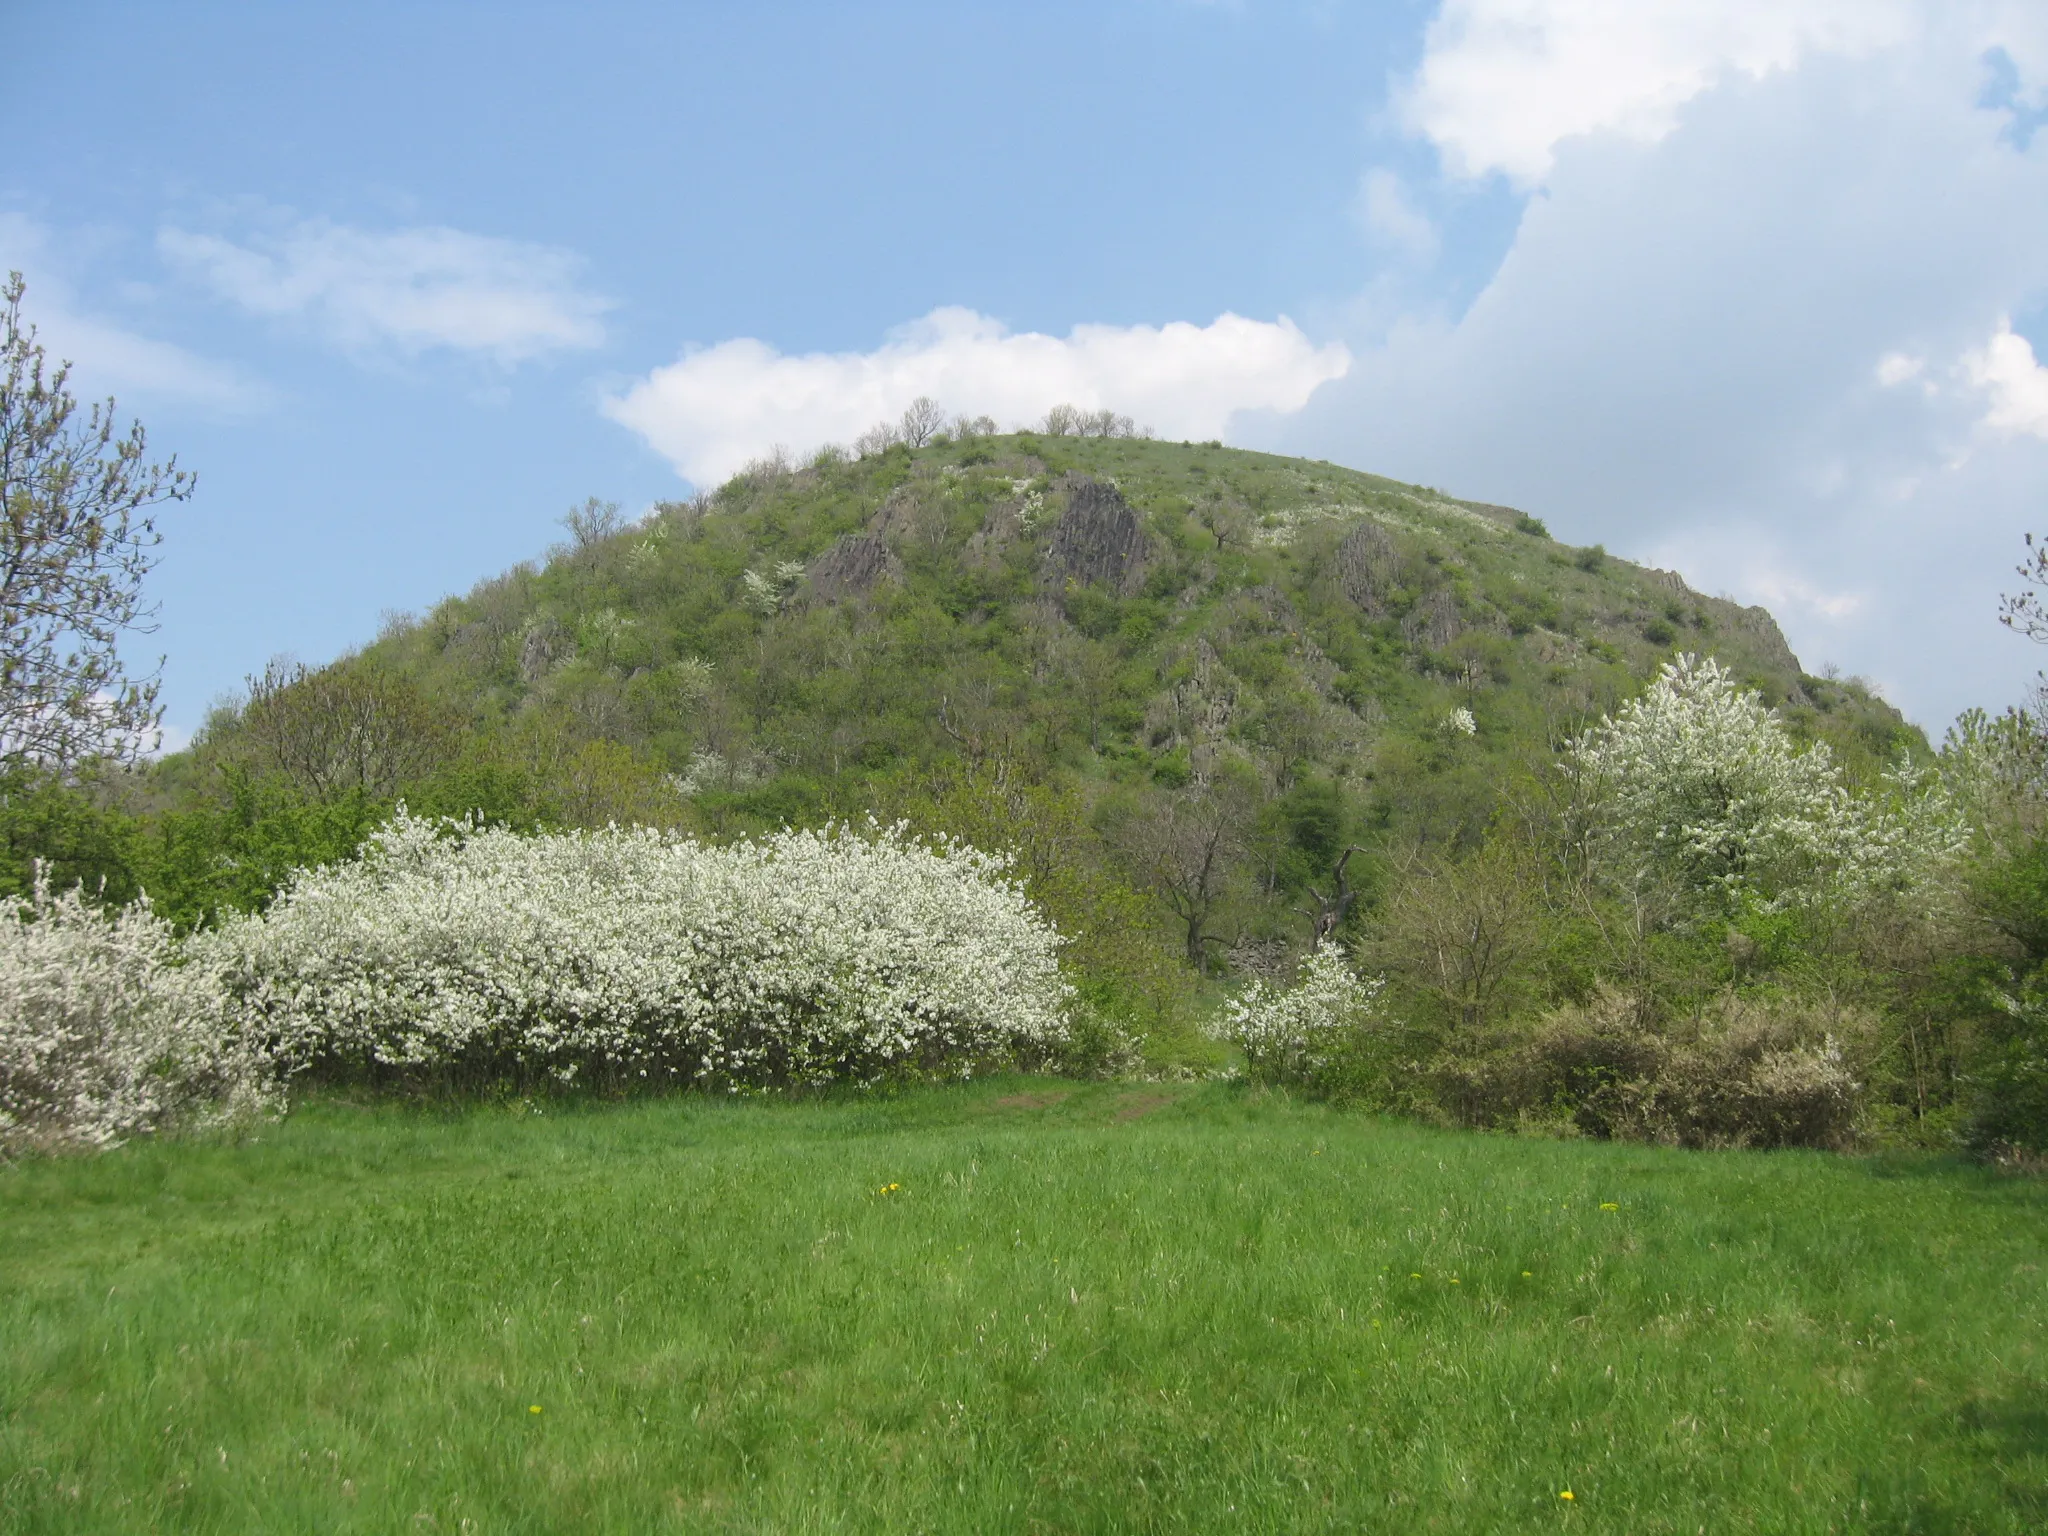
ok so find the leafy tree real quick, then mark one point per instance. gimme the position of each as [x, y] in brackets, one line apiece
[76, 542]
[351, 728]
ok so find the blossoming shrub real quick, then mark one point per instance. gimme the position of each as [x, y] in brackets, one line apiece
[1698, 786]
[1301, 1034]
[104, 1034]
[457, 953]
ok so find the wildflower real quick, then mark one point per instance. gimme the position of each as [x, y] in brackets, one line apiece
[1525, 1274]
[1609, 1205]
[534, 1409]
[1566, 1495]
[888, 1189]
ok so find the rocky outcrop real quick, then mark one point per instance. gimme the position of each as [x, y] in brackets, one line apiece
[851, 568]
[1098, 540]
[541, 649]
[1434, 621]
[1367, 563]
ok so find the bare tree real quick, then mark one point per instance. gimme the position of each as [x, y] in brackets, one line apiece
[1187, 848]
[593, 522]
[2025, 611]
[1105, 423]
[75, 545]
[1331, 910]
[877, 440]
[975, 426]
[1061, 421]
[1464, 932]
[922, 422]
[1228, 522]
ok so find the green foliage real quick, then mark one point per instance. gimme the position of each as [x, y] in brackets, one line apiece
[2008, 1078]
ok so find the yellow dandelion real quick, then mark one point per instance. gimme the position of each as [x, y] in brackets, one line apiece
[1525, 1274]
[1565, 1494]
[534, 1409]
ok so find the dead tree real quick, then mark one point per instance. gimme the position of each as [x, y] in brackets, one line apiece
[1330, 910]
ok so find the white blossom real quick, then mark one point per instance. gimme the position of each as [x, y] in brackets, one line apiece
[803, 957]
[104, 1033]
[1287, 1034]
[1698, 782]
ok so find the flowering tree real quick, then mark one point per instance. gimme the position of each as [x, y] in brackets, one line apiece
[1698, 784]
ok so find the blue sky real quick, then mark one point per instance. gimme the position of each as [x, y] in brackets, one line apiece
[1750, 289]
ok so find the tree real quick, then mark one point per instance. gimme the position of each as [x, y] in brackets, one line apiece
[922, 422]
[1186, 846]
[876, 441]
[2025, 611]
[1697, 785]
[350, 728]
[76, 542]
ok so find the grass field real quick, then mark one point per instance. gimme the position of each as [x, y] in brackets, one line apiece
[1019, 1306]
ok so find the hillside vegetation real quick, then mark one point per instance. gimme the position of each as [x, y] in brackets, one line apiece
[1220, 708]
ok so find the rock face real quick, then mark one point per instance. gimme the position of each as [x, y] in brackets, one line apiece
[1366, 567]
[1756, 623]
[1098, 540]
[1434, 621]
[542, 647]
[851, 568]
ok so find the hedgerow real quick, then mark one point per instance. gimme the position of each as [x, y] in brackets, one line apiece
[462, 953]
[106, 1031]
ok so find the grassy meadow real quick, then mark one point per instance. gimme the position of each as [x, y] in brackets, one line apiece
[1023, 1305]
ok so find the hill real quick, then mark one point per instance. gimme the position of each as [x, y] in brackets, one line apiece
[1125, 609]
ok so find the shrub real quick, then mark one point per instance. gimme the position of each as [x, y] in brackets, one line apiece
[2007, 1086]
[457, 953]
[104, 1034]
[1296, 1035]
[1744, 1073]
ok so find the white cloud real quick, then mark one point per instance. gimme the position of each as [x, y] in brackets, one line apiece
[109, 357]
[412, 290]
[715, 408]
[1391, 218]
[1896, 368]
[1503, 82]
[1744, 348]
[2015, 386]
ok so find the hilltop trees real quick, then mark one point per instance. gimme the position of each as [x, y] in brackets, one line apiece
[76, 541]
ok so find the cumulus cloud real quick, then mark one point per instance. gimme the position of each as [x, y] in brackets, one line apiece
[1503, 82]
[716, 407]
[1748, 339]
[408, 290]
[2014, 385]
[110, 358]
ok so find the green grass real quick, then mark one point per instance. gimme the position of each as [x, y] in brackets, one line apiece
[1099, 1309]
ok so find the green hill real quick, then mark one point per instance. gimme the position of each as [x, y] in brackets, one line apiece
[1181, 679]
[1126, 610]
